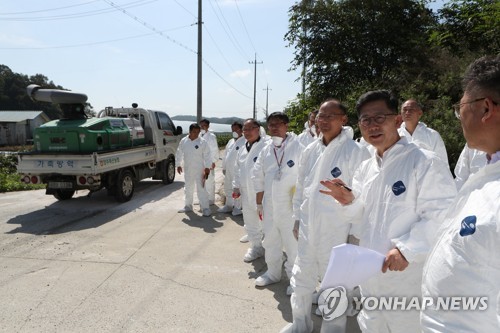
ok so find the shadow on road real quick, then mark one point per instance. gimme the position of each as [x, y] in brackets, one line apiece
[86, 212]
[207, 223]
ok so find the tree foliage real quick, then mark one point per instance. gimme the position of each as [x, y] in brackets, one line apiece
[13, 94]
[469, 26]
[353, 46]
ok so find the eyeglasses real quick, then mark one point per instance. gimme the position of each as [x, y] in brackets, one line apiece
[328, 117]
[456, 107]
[378, 119]
[248, 129]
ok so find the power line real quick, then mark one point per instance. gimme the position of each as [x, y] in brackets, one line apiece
[187, 10]
[231, 39]
[49, 9]
[90, 43]
[150, 27]
[80, 14]
[221, 53]
[244, 26]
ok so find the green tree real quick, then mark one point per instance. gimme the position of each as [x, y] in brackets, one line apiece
[469, 26]
[349, 42]
[13, 94]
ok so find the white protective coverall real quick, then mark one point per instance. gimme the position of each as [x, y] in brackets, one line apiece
[427, 138]
[243, 180]
[465, 260]
[469, 162]
[307, 137]
[211, 140]
[277, 222]
[400, 200]
[194, 156]
[321, 224]
[228, 164]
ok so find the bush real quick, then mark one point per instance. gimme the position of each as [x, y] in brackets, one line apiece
[9, 179]
[223, 139]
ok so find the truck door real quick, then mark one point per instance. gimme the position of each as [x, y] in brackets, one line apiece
[169, 141]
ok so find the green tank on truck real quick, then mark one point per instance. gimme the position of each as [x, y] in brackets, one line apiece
[112, 151]
[87, 135]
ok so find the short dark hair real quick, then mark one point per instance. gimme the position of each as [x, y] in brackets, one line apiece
[378, 95]
[315, 112]
[278, 115]
[253, 121]
[237, 123]
[205, 120]
[194, 126]
[483, 76]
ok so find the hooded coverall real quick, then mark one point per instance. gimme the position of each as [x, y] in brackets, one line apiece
[278, 193]
[228, 163]
[194, 157]
[426, 138]
[243, 180]
[211, 140]
[469, 162]
[400, 200]
[321, 224]
[465, 260]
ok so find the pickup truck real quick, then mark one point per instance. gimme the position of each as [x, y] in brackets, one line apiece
[114, 150]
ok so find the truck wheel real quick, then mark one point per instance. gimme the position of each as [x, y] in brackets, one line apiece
[124, 186]
[168, 172]
[64, 194]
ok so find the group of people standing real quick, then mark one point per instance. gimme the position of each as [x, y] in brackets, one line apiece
[392, 192]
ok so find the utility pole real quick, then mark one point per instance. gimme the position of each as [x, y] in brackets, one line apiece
[255, 63]
[199, 91]
[267, 100]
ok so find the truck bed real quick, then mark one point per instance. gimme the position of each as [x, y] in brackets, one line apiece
[88, 164]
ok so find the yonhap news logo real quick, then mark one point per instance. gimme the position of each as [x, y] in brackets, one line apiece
[333, 302]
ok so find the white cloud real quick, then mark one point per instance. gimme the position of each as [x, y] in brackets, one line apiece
[19, 41]
[241, 73]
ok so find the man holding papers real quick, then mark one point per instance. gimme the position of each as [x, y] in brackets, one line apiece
[399, 196]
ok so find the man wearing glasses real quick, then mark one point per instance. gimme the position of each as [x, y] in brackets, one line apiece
[465, 260]
[243, 185]
[417, 132]
[399, 196]
[318, 223]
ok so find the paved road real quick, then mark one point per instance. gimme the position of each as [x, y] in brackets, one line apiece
[93, 265]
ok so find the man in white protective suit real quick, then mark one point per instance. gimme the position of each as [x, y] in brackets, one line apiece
[211, 140]
[318, 225]
[309, 134]
[228, 163]
[469, 162]
[400, 196]
[465, 261]
[194, 158]
[274, 178]
[418, 132]
[243, 185]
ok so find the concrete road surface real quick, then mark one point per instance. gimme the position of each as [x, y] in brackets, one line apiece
[90, 264]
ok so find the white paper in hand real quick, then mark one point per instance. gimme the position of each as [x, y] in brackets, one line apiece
[351, 265]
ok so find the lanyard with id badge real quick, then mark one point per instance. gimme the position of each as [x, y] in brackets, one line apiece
[280, 163]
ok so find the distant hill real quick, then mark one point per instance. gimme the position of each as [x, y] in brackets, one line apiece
[215, 120]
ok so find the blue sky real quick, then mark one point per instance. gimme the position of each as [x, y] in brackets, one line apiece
[113, 51]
